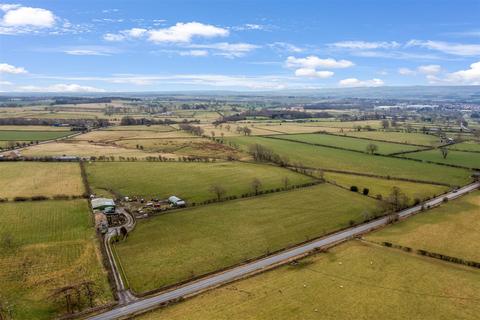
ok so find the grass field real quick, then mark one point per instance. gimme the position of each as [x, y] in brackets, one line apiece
[351, 281]
[191, 146]
[348, 143]
[174, 247]
[29, 179]
[116, 135]
[52, 244]
[451, 229]
[466, 146]
[84, 149]
[156, 128]
[190, 181]
[400, 137]
[33, 128]
[384, 187]
[459, 158]
[328, 158]
[29, 135]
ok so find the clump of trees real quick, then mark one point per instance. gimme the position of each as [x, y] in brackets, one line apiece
[218, 190]
[256, 185]
[195, 130]
[396, 200]
[264, 154]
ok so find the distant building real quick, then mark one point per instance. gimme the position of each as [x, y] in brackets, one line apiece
[176, 201]
[103, 204]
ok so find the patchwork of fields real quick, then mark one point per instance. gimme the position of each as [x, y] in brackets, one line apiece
[190, 181]
[196, 241]
[345, 283]
[452, 229]
[334, 159]
[44, 247]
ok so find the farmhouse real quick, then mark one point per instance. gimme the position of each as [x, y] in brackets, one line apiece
[102, 204]
[176, 202]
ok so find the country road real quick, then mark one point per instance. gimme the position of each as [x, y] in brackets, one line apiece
[191, 288]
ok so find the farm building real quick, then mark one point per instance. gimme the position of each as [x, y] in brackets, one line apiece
[176, 201]
[102, 203]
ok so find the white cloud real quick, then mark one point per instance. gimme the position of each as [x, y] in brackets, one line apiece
[194, 53]
[406, 72]
[313, 62]
[113, 37]
[429, 69]
[85, 52]
[354, 82]
[69, 88]
[27, 16]
[5, 83]
[312, 73]
[285, 46]
[458, 49]
[8, 68]
[135, 32]
[8, 6]
[365, 45]
[469, 76]
[184, 32]
[229, 50]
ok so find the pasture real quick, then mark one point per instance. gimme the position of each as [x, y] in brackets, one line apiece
[396, 136]
[84, 149]
[348, 143]
[28, 179]
[190, 181]
[191, 146]
[44, 247]
[450, 229]
[466, 146]
[30, 135]
[383, 187]
[329, 158]
[345, 283]
[109, 136]
[175, 247]
[459, 158]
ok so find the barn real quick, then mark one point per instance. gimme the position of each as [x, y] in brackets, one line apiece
[102, 203]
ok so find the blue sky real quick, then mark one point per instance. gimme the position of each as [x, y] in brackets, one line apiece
[87, 46]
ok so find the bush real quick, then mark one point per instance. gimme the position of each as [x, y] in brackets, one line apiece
[20, 199]
[445, 199]
[365, 191]
[39, 198]
[354, 188]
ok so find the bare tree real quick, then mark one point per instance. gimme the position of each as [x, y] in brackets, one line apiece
[286, 182]
[385, 124]
[256, 185]
[444, 152]
[397, 200]
[218, 190]
[372, 148]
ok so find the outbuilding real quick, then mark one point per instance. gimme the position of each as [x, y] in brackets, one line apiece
[102, 204]
[176, 201]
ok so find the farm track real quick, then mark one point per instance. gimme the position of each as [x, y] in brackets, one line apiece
[142, 305]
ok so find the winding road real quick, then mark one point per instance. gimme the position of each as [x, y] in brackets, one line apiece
[141, 305]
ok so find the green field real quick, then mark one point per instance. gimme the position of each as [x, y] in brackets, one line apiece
[348, 143]
[174, 247]
[452, 229]
[384, 187]
[351, 281]
[466, 146]
[459, 158]
[328, 158]
[190, 181]
[400, 137]
[29, 135]
[27, 179]
[52, 244]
